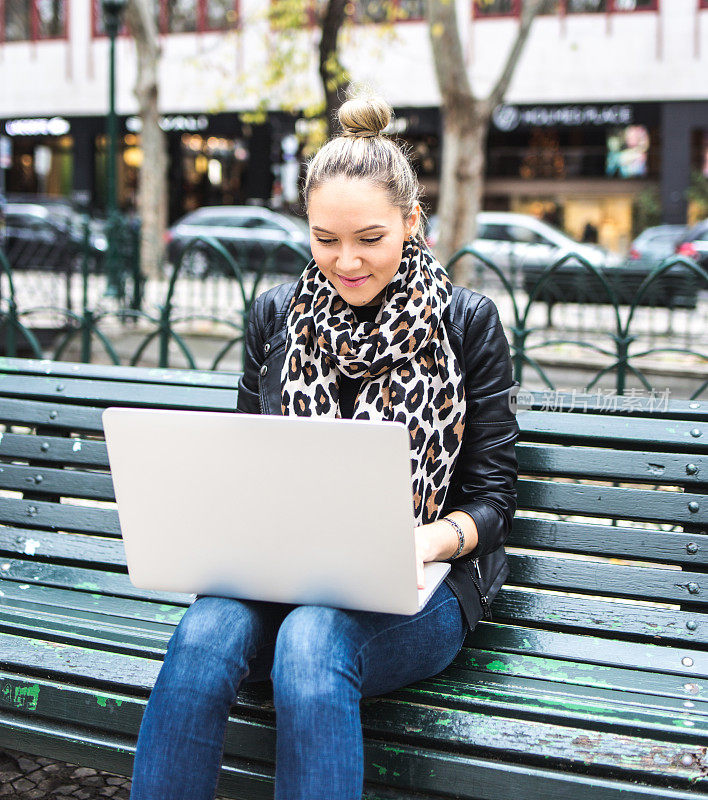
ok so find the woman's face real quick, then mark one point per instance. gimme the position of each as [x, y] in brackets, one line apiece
[356, 237]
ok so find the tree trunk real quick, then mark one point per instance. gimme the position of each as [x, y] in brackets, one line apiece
[461, 183]
[152, 190]
[335, 80]
[465, 127]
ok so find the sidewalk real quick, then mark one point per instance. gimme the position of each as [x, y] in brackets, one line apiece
[27, 777]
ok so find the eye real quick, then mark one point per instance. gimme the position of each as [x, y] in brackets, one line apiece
[324, 241]
[373, 240]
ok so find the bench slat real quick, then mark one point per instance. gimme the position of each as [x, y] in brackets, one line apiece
[673, 547]
[84, 604]
[62, 482]
[110, 372]
[604, 578]
[612, 501]
[116, 392]
[67, 451]
[606, 464]
[76, 547]
[28, 572]
[59, 516]
[617, 618]
[599, 431]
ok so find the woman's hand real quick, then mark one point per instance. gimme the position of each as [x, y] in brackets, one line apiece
[438, 541]
[433, 542]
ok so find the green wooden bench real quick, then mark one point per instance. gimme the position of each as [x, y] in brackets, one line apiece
[591, 682]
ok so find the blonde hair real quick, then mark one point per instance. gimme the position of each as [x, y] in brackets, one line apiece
[363, 151]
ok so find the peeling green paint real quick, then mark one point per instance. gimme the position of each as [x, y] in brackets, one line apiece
[102, 700]
[25, 697]
[87, 585]
[498, 666]
[381, 770]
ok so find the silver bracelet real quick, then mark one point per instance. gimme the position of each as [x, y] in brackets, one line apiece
[460, 536]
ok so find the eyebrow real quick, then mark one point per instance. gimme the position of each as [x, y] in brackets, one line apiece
[361, 230]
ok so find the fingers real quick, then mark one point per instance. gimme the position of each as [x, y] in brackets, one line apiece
[420, 574]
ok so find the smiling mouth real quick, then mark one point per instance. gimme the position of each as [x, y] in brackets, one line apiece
[353, 281]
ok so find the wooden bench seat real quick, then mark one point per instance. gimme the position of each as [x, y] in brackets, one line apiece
[591, 682]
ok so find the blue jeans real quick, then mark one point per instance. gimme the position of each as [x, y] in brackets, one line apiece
[321, 660]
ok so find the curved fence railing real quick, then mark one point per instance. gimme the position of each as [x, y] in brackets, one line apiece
[528, 297]
[676, 282]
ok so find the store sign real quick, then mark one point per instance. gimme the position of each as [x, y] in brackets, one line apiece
[56, 126]
[184, 123]
[508, 118]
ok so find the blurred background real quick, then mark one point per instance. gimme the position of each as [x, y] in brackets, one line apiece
[151, 153]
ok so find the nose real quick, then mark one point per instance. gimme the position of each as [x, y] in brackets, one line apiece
[349, 260]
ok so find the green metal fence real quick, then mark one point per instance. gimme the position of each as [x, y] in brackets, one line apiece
[519, 291]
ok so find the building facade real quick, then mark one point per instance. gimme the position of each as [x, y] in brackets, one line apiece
[604, 123]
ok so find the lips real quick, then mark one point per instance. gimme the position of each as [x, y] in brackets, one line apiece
[353, 282]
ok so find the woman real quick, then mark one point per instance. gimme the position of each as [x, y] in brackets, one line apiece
[373, 329]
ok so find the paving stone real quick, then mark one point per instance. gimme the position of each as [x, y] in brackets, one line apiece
[9, 775]
[6, 789]
[22, 785]
[108, 791]
[44, 761]
[48, 783]
[117, 781]
[83, 794]
[83, 772]
[66, 788]
[27, 765]
[35, 794]
[94, 780]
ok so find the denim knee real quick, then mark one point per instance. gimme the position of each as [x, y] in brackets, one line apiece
[313, 655]
[211, 636]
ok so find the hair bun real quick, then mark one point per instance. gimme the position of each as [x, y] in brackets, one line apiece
[364, 117]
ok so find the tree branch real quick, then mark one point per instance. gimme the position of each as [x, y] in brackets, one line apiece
[453, 80]
[334, 76]
[530, 9]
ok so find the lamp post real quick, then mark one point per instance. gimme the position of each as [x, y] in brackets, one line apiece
[112, 14]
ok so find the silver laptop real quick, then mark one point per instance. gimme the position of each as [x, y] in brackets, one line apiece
[311, 511]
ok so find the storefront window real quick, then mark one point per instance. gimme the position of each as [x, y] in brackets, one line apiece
[212, 171]
[50, 19]
[184, 16]
[28, 20]
[386, 10]
[495, 8]
[41, 165]
[220, 15]
[181, 16]
[585, 6]
[498, 8]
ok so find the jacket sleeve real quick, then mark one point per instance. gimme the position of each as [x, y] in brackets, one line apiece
[248, 401]
[483, 483]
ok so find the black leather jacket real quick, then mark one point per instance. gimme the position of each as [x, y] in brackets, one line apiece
[484, 480]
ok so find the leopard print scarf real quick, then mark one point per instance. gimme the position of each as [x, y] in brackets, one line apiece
[411, 373]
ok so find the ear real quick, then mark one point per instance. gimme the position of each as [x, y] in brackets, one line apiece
[413, 221]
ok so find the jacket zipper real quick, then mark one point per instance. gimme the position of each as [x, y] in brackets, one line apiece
[478, 585]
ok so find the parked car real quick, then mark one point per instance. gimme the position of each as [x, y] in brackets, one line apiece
[694, 244]
[509, 239]
[655, 244]
[37, 237]
[258, 239]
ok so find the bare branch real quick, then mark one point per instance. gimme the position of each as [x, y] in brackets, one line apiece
[450, 68]
[530, 9]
